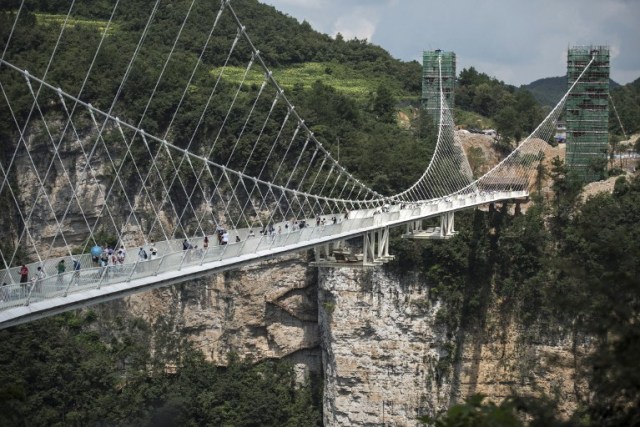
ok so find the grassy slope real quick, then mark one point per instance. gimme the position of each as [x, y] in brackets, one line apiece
[345, 78]
[342, 78]
[55, 19]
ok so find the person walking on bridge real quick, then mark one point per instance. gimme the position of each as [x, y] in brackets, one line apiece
[24, 274]
[40, 276]
[153, 250]
[60, 268]
[24, 279]
[122, 254]
[5, 295]
[142, 255]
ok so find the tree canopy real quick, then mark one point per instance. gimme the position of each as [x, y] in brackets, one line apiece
[71, 370]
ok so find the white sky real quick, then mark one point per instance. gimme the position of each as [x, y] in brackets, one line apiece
[517, 41]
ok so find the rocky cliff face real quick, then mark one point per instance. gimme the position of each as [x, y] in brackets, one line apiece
[374, 335]
[381, 351]
[387, 360]
[267, 310]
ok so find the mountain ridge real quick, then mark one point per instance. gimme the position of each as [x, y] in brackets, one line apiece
[549, 90]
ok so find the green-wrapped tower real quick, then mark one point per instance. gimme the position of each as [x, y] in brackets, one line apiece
[587, 112]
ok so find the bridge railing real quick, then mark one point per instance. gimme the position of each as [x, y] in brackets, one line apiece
[171, 258]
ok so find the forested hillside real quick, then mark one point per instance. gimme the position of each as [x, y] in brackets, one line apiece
[514, 112]
[549, 90]
[627, 103]
[626, 99]
[347, 91]
[78, 370]
[313, 67]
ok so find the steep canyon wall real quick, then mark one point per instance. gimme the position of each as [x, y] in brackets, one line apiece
[375, 335]
[388, 359]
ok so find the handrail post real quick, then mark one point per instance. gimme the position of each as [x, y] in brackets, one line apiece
[204, 255]
[133, 270]
[184, 255]
[159, 265]
[103, 275]
[33, 285]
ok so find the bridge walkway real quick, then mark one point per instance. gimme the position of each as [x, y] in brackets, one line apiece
[93, 284]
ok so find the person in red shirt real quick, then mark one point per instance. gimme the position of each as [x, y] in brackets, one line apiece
[24, 279]
[24, 274]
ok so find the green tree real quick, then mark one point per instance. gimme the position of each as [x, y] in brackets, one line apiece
[475, 413]
[565, 189]
[513, 411]
[384, 104]
[601, 253]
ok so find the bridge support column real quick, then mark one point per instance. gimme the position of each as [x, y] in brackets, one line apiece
[368, 242]
[321, 250]
[383, 242]
[376, 246]
[414, 227]
[447, 225]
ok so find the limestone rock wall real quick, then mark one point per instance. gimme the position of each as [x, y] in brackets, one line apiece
[267, 310]
[386, 360]
[497, 362]
[380, 350]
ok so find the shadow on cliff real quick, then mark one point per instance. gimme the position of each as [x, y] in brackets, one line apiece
[477, 298]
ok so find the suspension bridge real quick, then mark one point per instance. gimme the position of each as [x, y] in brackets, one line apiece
[242, 168]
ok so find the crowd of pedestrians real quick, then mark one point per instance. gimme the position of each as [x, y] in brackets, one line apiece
[111, 260]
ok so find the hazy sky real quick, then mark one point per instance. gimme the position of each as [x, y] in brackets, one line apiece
[517, 41]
